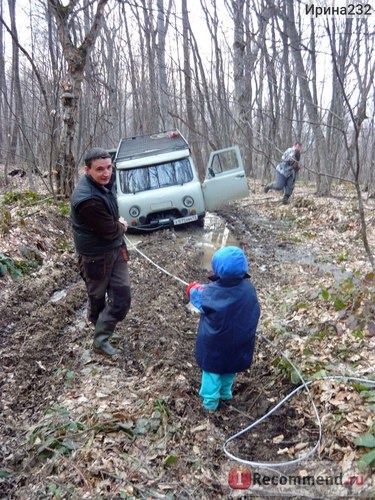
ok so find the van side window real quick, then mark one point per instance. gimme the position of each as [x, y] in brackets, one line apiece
[224, 161]
[157, 176]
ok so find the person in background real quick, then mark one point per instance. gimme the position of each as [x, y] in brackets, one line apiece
[98, 233]
[229, 317]
[286, 172]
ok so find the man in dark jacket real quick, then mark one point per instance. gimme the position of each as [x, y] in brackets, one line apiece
[229, 317]
[102, 255]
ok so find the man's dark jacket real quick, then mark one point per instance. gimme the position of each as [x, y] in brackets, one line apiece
[87, 241]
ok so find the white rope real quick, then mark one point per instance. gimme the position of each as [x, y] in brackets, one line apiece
[154, 263]
[304, 385]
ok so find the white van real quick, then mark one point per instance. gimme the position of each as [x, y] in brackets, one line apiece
[158, 185]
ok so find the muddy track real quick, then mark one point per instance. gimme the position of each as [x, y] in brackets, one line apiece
[43, 332]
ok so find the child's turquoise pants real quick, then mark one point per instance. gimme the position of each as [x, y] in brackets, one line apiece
[215, 387]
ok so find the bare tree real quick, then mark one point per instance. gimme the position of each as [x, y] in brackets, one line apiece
[311, 106]
[364, 72]
[242, 86]
[152, 68]
[190, 114]
[162, 28]
[136, 79]
[340, 44]
[218, 86]
[149, 33]
[18, 130]
[76, 56]
[3, 91]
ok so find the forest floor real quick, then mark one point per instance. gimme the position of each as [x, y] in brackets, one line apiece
[78, 425]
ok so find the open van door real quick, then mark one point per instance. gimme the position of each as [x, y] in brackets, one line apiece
[225, 178]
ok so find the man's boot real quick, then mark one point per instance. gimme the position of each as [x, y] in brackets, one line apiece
[267, 188]
[285, 199]
[101, 344]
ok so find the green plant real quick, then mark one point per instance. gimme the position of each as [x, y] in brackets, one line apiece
[368, 395]
[27, 198]
[296, 239]
[5, 220]
[172, 459]
[66, 246]
[162, 406]
[55, 490]
[67, 375]
[16, 268]
[59, 433]
[321, 335]
[343, 257]
[358, 333]
[287, 369]
[64, 208]
[354, 298]
[338, 302]
[367, 441]
[310, 235]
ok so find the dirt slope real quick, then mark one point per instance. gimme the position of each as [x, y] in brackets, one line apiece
[76, 425]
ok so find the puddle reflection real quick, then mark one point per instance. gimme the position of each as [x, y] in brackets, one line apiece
[215, 235]
[60, 294]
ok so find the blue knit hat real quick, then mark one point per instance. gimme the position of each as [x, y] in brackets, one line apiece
[229, 261]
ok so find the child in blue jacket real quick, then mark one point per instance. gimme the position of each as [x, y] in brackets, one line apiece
[229, 317]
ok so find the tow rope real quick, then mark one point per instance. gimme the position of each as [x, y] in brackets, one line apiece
[304, 385]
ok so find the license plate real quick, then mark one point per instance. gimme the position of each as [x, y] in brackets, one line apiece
[185, 220]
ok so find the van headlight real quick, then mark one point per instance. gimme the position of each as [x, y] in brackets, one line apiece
[188, 201]
[134, 211]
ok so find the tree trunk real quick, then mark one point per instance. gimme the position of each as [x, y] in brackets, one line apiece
[191, 122]
[3, 97]
[242, 61]
[163, 22]
[311, 107]
[76, 58]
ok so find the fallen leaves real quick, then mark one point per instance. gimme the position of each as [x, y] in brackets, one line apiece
[137, 428]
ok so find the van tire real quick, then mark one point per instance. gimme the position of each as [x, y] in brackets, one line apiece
[200, 222]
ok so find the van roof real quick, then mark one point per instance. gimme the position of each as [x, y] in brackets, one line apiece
[148, 145]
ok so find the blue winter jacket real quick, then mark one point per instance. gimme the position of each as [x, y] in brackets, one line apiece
[229, 315]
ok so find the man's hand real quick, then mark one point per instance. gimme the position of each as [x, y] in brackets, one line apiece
[296, 166]
[123, 222]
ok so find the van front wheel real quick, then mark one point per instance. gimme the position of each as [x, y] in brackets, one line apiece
[200, 222]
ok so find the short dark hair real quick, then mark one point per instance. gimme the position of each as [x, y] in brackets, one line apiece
[298, 142]
[95, 154]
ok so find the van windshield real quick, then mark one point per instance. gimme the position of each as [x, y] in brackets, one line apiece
[155, 176]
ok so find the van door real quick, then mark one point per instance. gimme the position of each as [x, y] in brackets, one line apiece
[225, 178]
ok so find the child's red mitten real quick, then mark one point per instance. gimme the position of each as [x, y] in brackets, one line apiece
[189, 287]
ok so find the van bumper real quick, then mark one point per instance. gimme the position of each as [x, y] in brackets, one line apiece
[167, 223]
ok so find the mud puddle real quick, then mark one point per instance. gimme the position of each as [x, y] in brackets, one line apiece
[216, 235]
[213, 236]
[304, 257]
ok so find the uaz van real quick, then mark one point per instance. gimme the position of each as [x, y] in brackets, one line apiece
[158, 185]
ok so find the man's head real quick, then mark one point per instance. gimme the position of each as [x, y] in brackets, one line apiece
[297, 150]
[98, 165]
